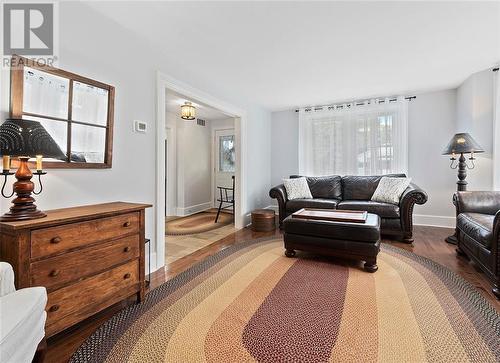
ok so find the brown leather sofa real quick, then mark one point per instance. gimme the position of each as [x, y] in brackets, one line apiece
[478, 229]
[354, 193]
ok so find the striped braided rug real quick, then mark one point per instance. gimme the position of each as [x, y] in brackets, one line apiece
[250, 303]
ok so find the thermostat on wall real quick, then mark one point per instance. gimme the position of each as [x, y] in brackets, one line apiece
[140, 126]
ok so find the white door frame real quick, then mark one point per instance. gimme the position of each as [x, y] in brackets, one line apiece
[171, 163]
[164, 82]
[214, 160]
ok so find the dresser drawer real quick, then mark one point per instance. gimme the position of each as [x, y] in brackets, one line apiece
[57, 271]
[47, 241]
[76, 302]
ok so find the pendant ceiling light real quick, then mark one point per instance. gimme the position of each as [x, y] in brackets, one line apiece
[188, 111]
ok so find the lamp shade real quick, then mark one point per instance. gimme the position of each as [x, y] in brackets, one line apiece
[462, 143]
[188, 111]
[20, 137]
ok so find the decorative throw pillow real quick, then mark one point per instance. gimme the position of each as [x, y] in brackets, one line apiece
[297, 188]
[389, 190]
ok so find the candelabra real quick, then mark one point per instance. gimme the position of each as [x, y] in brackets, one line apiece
[461, 143]
[24, 139]
[23, 204]
[462, 167]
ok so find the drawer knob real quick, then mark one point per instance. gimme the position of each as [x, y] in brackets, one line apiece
[56, 240]
[126, 249]
[126, 224]
[54, 273]
[54, 308]
[126, 276]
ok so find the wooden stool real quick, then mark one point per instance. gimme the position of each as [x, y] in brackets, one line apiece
[263, 220]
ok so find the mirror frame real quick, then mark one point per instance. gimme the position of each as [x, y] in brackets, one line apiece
[16, 109]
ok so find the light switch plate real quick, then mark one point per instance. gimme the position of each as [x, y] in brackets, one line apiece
[140, 126]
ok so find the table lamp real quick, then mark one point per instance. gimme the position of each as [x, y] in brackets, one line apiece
[25, 139]
[461, 144]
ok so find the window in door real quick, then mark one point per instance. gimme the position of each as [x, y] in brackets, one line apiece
[226, 154]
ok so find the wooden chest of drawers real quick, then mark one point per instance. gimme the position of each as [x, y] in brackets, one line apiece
[88, 258]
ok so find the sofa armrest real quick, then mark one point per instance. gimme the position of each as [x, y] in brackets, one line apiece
[496, 239]
[279, 193]
[487, 202]
[411, 196]
[6, 279]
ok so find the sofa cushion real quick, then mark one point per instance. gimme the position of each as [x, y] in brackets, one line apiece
[389, 190]
[328, 187]
[384, 210]
[297, 188]
[321, 203]
[477, 226]
[362, 187]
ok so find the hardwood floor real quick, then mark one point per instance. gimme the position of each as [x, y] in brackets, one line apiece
[429, 242]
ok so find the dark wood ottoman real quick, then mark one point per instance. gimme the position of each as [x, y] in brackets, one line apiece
[358, 241]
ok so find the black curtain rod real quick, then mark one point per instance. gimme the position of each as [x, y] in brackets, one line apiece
[495, 69]
[409, 98]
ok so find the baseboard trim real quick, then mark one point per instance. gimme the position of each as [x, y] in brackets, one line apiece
[193, 209]
[433, 221]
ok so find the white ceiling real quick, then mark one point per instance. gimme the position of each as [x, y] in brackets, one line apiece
[286, 54]
[175, 100]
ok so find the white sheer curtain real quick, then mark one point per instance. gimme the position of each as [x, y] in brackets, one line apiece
[496, 133]
[368, 138]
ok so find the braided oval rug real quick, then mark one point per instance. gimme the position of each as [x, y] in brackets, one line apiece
[250, 303]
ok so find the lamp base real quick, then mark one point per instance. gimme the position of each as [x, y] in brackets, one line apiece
[25, 215]
[23, 207]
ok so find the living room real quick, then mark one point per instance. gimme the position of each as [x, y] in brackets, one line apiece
[347, 94]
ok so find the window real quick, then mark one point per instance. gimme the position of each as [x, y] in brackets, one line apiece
[367, 138]
[227, 155]
[76, 111]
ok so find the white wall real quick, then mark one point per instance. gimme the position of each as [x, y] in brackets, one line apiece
[112, 54]
[285, 145]
[431, 125]
[475, 116]
[194, 149]
[223, 124]
[258, 160]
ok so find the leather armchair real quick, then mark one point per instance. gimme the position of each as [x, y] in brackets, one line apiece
[478, 232]
[22, 320]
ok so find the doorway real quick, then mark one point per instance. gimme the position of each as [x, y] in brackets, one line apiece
[200, 157]
[165, 83]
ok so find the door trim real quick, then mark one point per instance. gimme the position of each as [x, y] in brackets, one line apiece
[164, 82]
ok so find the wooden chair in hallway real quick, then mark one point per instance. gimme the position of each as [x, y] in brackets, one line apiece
[226, 199]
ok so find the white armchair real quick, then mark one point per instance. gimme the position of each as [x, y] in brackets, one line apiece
[22, 319]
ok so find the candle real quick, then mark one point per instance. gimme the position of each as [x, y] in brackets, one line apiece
[39, 162]
[6, 162]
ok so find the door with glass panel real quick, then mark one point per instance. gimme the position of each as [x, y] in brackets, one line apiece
[225, 160]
